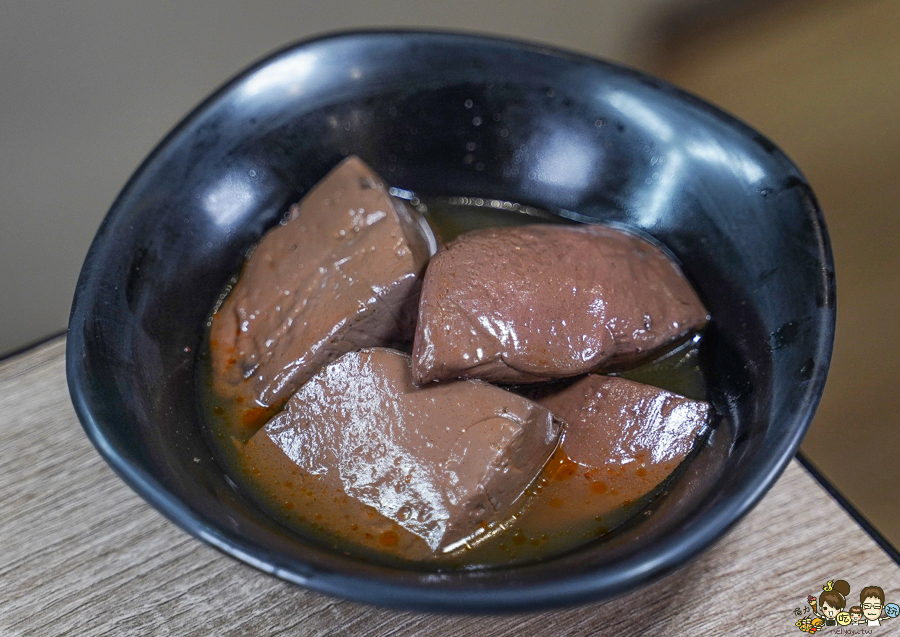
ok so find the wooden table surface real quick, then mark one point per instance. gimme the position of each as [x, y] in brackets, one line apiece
[83, 555]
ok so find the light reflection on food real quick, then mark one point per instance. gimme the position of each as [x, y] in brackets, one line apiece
[341, 272]
[334, 438]
[538, 302]
[441, 460]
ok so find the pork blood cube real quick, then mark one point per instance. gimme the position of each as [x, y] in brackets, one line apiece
[626, 436]
[342, 272]
[531, 303]
[441, 461]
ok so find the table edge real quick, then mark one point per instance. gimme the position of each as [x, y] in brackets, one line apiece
[804, 460]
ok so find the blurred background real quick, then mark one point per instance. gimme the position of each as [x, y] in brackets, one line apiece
[90, 87]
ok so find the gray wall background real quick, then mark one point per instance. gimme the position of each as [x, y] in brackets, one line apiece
[88, 88]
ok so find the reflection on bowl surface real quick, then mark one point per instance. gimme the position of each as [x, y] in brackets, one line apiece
[439, 114]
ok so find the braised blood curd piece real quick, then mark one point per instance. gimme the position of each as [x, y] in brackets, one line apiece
[622, 438]
[342, 272]
[441, 461]
[531, 303]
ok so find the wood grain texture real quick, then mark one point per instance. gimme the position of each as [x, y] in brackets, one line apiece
[83, 555]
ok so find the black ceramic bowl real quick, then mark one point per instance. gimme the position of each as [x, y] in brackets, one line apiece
[452, 114]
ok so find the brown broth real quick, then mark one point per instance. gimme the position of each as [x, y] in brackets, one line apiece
[564, 508]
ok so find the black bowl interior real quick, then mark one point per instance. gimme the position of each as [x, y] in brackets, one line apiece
[452, 114]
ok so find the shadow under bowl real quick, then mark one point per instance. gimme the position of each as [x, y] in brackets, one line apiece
[455, 114]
